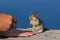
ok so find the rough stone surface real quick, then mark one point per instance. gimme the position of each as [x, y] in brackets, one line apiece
[47, 35]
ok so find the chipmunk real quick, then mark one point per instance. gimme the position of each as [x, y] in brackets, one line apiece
[36, 23]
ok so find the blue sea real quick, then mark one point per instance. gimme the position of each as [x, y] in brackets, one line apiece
[48, 11]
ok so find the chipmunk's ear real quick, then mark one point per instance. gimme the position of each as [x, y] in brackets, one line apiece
[34, 14]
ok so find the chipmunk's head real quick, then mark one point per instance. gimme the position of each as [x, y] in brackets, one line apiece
[34, 19]
[33, 16]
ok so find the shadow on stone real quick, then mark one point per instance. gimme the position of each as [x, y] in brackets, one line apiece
[3, 37]
[12, 33]
[46, 29]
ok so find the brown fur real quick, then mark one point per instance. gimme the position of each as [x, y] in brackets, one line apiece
[34, 20]
[37, 25]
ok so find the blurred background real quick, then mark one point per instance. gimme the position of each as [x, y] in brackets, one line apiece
[48, 11]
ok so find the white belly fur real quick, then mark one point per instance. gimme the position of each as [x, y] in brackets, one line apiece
[38, 29]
